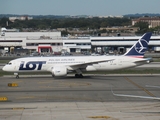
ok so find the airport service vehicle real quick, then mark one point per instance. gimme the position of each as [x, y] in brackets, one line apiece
[62, 65]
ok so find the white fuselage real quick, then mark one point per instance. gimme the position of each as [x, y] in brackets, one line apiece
[71, 63]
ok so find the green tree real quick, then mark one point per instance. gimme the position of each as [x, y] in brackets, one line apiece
[143, 27]
[54, 23]
[3, 22]
[64, 33]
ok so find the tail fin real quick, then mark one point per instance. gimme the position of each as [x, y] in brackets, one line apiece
[139, 48]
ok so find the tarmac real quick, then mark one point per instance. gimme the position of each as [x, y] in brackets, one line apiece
[90, 98]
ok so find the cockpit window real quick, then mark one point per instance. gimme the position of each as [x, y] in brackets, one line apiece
[9, 63]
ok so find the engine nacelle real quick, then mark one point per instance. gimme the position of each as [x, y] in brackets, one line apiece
[59, 71]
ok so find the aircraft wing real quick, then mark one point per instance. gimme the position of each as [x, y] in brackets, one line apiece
[135, 96]
[89, 63]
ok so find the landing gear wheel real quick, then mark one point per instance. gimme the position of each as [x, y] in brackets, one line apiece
[78, 75]
[17, 76]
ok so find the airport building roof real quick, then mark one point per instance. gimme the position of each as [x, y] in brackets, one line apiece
[31, 40]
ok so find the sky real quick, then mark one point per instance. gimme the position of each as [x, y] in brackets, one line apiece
[79, 7]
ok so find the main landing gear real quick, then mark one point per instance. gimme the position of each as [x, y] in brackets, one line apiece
[78, 75]
[17, 75]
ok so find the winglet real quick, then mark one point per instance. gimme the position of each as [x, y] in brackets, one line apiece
[139, 48]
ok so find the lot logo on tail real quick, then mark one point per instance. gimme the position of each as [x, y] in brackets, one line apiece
[140, 46]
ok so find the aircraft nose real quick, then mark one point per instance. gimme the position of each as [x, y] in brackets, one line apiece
[4, 68]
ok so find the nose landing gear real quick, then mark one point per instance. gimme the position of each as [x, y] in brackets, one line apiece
[17, 75]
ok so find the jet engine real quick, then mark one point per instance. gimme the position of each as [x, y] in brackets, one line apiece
[59, 71]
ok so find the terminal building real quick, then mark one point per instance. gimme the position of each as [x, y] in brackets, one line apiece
[119, 45]
[33, 41]
[51, 42]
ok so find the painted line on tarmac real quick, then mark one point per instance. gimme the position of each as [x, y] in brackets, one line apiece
[26, 97]
[43, 82]
[142, 88]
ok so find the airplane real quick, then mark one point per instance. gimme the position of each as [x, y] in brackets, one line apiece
[62, 65]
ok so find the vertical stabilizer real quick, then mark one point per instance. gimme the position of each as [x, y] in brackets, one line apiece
[139, 48]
